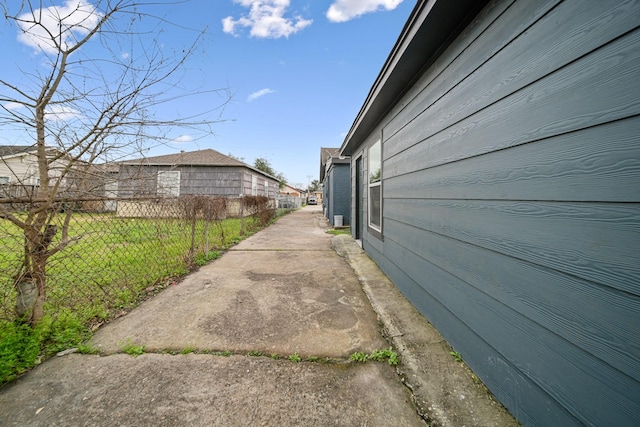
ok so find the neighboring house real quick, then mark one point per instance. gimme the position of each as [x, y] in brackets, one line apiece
[19, 171]
[288, 190]
[102, 184]
[19, 165]
[336, 185]
[496, 181]
[202, 172]
[290, 197]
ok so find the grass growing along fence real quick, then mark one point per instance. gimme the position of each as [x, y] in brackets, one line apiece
[113, 264]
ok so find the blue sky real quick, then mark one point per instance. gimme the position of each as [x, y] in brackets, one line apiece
[298, 70]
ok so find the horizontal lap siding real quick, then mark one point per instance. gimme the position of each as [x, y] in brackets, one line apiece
[549, 47]
[136, 181]
[210, 180]
[509, 384]
[579, 161]
[529, 348]
[511, 212]
[595, 90]
[608, 333]
[597, 242]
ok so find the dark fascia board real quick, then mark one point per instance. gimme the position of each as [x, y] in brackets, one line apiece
[430, 28]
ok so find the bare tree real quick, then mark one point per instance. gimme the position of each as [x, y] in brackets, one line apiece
[99, 77]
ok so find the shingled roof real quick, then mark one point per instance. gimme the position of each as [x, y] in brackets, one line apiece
[7, 151]
[12, 150]
[207, 157]
[325, 154]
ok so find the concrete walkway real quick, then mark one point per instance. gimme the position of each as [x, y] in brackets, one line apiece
[291, 291]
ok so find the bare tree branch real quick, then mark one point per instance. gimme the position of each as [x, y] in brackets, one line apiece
[94, 93]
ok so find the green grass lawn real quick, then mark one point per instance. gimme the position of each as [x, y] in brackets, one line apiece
[114, 264]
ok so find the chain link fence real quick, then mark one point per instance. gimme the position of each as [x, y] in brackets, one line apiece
[120, 250]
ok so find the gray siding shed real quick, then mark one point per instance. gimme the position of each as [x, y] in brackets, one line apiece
[511, 196]
[203, 172]
[200, 180]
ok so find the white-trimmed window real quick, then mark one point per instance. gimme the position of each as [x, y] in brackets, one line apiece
[266, 188]
[168, 183]
[4, 180]
[375, 187]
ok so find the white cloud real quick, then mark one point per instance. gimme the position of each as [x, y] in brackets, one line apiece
[56, 113]
[346, 10]
[60, 113]
[183, 139]
[265, 19]
[13, 105]
[65, 23]
[258, 94]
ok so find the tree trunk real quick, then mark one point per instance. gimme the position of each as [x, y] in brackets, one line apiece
[31, 286]
[39, 271]
[26, 300]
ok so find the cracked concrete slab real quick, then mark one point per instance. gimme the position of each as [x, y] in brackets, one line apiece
[204, 390]
[282, 302]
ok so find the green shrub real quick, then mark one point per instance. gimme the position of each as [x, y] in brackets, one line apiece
[66, 332]
[19, 350]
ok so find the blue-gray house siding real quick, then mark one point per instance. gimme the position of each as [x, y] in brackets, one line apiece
[511, 196]
[337, 188]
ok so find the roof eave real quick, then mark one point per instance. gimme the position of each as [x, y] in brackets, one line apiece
[430, 27]
[16, 155]
[28, 150]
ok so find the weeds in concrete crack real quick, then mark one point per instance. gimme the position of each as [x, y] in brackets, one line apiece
[131, 349]
[87, 349]
[376, 355]
[135, 350]
[387, 354]
[456, 356]
[295, 357]
[359, 357]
